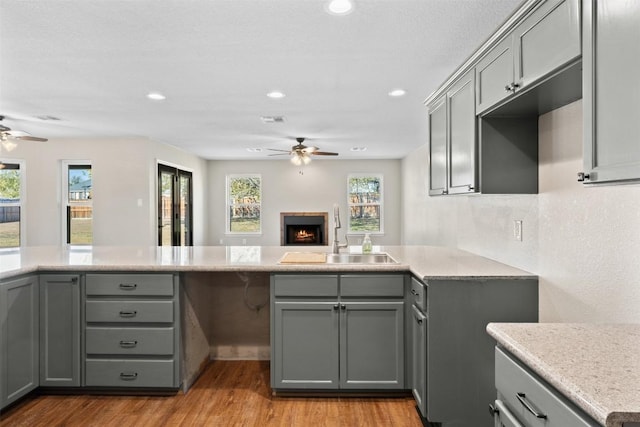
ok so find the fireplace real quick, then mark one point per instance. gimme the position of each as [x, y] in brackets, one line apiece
[303, 228]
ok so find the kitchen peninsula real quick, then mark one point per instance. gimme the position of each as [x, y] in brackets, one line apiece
[463, 292]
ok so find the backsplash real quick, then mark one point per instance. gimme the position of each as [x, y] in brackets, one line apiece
[583, 242]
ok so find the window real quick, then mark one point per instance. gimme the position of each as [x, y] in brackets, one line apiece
[244, 195]
[175, 206]
[365, 203]
[11, 200]
[77, 184]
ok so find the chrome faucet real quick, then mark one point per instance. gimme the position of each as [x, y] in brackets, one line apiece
[336, 224]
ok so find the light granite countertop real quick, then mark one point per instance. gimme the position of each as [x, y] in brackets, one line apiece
[425, 262]
[597, 366]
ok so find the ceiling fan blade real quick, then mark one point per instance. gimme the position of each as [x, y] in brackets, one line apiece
[279, 154]
[275, 149]
[324, 153]
[4, 129]
[31, 138]
[310, 150]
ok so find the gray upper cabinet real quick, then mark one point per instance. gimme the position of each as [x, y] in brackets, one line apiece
[494, 75]
[438, 147]
[60, 330]
[611, 99]
[18, 338]
[546, 40]
[452, 132]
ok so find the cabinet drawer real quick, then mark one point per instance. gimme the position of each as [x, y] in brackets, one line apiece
[524, 393]
[130, 284]
[303, 285]
[139, 341]
[129, 311]
[419, 294]
[130, 373]
[372, 286]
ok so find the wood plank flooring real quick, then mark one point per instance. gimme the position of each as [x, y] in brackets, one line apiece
[229, 393]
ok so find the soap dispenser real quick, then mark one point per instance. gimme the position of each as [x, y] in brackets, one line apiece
[366, 244]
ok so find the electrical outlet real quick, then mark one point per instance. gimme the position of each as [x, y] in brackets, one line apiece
[517, 230]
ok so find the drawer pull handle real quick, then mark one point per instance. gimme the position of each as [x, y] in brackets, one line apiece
[128, 376]
[128, 286]
[523, 399]
[128, 313]
[128, 344]
[413, 291]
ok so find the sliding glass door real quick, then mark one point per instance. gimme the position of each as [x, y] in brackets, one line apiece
[175, 203]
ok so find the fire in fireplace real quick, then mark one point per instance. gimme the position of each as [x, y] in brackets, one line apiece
[303, 228]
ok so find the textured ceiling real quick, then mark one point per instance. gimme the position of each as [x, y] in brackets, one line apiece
[91, 63]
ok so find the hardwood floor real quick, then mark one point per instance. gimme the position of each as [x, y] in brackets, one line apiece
[229, 393]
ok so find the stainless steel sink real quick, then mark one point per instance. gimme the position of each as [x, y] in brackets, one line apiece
[381, 258]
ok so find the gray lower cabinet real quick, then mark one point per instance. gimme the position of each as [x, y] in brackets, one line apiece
[458, 359]
[526, 400]
[132, 331]
[18, 338]
[611, 56]
[333, 332]
[60, 330]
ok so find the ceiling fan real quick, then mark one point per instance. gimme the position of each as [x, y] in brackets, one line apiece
[301, 154]
[7, 137]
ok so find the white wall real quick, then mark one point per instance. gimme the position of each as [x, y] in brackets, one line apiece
[284, 189]
[123, 171]
[584, 243]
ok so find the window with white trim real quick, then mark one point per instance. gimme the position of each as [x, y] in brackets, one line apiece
[364, 193]
[77, 202]
[244, 204]
[12, 190]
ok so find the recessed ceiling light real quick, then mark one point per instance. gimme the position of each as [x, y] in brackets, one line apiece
[156, 96]
[358, 148]
[276, 94]
[397, 92]
[339, 7]
[254, 150]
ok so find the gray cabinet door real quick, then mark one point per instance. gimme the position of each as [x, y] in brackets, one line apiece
[494, 75]
[611, 58]
[547, 39]
[18, 339]
[461, 109]
[438, 148]
[372, 345]
[305, 340]
[60, 330]
[419, 358]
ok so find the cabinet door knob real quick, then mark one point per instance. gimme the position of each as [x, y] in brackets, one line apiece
[493, 410]
[335, 307]
[508, 88]
[582, 177]
[471, 187]
[342, 306]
